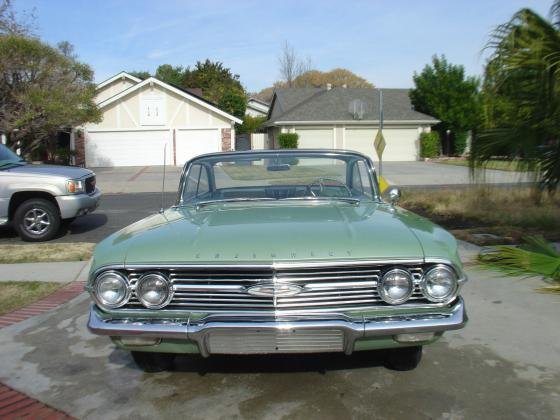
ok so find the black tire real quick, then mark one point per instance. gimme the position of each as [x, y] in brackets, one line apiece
[405, 358]
[37, 220]
[153, 362]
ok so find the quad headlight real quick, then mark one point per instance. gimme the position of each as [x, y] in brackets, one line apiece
[111, 290]
[154, 291]
[396, 286]
[440, 284]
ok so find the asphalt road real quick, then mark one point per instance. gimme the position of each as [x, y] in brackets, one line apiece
[115, 212]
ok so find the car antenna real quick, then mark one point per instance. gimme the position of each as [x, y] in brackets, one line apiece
[163, 182]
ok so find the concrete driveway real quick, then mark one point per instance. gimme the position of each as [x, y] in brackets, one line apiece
[504, 365]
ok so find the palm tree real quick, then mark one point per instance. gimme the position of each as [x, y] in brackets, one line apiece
[535, 257]
[522, 96]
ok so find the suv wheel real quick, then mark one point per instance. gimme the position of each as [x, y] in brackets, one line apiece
[405, 358]
[153, 362]
[37, 220]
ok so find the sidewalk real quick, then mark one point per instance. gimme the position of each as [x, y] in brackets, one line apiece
[56, 272]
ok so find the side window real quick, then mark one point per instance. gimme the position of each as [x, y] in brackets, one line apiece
[203, 182]
[192, 183]
[365, 179]
[356, 179]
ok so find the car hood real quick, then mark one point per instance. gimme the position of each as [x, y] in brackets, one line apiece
[268, 233]
[72, 172]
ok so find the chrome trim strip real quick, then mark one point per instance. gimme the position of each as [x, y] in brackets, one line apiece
[437, 321]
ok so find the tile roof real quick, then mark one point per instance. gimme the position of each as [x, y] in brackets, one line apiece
[319, 104]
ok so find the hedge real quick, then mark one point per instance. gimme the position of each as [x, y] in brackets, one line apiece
[460, 143]
[288, 140]
[429, 144]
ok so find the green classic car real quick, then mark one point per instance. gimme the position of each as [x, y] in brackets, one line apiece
[277, 251]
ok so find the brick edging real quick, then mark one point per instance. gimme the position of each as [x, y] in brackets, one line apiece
[15, 405]
[57, 298]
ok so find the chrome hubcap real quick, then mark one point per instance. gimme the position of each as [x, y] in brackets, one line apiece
[36, 221]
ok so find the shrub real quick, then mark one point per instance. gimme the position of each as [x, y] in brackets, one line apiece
[429, 144]
[460, 142]
[250, 125]
[288, 140]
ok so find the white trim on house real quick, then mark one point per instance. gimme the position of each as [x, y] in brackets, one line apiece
[117, 77]
[153, 80]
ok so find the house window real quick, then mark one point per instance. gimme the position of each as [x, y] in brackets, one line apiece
[152, 110]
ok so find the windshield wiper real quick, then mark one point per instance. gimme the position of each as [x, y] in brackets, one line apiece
[350, 200]
[232, 200]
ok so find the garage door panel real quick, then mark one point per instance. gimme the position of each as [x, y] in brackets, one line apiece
[191, 143]
[402, 144]
[315, 138]
[128, 148]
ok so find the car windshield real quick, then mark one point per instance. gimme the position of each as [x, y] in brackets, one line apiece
[9, 158]
[293, 175]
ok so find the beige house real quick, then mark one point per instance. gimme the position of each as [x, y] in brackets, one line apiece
[142, 117]
[348, 118]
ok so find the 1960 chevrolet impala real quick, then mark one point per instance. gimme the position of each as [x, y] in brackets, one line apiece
[279, 251]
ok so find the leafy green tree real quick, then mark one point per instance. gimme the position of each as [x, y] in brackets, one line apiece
[42, 90]
[170, 74]
[522, 96]
[443, 91]
[213, 78]
[141, 74]
[234, 102]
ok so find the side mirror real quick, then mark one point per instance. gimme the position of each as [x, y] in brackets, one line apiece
[394, 195]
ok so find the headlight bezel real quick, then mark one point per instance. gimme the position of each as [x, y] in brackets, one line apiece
[98, 297]
[383, 294]
[159, 276]
[450, 296]
[75, 186]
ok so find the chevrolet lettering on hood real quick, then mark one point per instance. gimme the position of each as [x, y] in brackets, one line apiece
[277, 251]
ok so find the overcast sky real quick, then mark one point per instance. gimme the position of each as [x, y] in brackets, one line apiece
[383, 41]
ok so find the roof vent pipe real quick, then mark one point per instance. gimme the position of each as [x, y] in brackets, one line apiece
[329, 86]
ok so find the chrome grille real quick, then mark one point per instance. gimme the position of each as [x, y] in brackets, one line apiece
[323, 289]
[276, 341]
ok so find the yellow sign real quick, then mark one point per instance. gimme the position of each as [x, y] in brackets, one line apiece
[379, 143]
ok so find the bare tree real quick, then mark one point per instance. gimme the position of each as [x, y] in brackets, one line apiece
[12, 23]
[291, 66]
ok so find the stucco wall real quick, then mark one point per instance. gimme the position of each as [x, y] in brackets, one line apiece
[179, 112]
[112, 89]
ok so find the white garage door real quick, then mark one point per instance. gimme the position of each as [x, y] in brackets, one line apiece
[315, 138]
[127, 148]
[191, 143]
[401, 144]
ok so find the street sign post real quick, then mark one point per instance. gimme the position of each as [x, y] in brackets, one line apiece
[379, 142]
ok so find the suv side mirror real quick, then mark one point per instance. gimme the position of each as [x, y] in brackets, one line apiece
[394, 195]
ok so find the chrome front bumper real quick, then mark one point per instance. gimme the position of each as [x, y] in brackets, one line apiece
[202, 332]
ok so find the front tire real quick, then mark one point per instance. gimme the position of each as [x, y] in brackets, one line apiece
[403, 359]
[153, 362]
[37, 220]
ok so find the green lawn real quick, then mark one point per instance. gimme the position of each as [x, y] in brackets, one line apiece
[501, 165]
[15, 294]
[46, 252]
